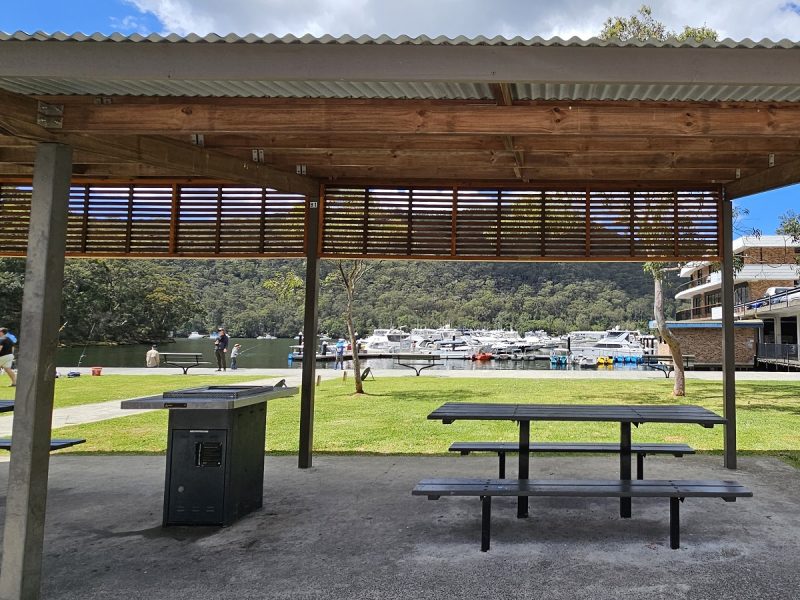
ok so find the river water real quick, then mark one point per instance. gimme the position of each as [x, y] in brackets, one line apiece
[260, 354]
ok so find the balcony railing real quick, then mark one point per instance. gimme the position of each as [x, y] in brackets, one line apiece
[696, 312]
[779, 352]
[782, 300]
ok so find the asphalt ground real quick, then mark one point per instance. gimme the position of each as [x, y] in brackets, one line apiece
[349, 528]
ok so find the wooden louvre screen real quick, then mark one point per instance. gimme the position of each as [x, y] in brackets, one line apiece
[524, 225]
[165, 220]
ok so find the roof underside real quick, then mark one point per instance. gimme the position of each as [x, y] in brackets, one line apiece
[495, 112]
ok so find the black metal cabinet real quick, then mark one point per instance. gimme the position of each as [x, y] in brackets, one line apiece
[215, 465]
[215, 451]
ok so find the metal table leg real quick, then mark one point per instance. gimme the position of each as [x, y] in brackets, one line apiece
[524, 462]
[625, 466]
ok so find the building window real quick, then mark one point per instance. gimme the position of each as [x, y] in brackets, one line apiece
[741, 293]
[713, 298]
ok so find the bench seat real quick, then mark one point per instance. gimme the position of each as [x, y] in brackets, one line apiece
[675, 490]
[503, 448]
[55, 444]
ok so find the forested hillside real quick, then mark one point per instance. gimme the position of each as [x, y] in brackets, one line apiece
[126, 300]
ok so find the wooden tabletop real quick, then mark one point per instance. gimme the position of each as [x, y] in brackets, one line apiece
[634, 413]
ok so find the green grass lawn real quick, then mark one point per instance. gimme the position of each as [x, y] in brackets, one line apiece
[391, 418]
[88, 390]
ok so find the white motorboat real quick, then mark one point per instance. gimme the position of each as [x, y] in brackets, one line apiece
[195, 336]
[266, 336]
[621, 346]
[387, 340]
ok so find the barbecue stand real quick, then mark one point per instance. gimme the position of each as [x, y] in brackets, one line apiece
[215, 451]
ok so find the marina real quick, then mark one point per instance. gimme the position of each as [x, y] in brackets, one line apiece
[455, 349]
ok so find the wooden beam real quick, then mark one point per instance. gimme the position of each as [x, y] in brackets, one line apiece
[525, 143]
[478, 158]
[456, 172]
[389, 118]
[18, 118]
[772, 178]
[26, 155]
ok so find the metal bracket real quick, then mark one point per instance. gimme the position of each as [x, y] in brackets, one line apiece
[198, 139]
[771, 159]
[50, 116]
[300, 169]
[258, 155]
[738, 173]
[103, 100]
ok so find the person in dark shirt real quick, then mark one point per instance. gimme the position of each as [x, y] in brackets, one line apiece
[220, 349]
[7, 355]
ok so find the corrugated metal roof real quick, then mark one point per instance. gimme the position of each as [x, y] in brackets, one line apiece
[400, 40]
[405, 90]
[389, 90]
[249, 89]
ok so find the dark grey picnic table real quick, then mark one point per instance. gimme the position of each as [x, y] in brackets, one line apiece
[623, 414]
[182, 360]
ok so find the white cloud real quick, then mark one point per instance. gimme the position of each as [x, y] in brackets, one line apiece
[738, 19]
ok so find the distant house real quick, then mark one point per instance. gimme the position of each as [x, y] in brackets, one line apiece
[766, 290]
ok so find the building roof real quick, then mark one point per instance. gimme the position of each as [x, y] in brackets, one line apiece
[742, 243]
[757, 323]
[551, 114]
[657, 79]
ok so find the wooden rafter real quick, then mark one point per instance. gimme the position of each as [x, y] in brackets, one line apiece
[503, 97]
[18, 119]
[776, 177]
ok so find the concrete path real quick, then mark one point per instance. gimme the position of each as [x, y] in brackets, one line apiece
[100, 411]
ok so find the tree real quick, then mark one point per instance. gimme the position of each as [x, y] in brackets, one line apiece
[349, 275]
[643, 26]
[658, 270]
[790, 225]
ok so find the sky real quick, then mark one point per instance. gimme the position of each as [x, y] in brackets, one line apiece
[735, 19]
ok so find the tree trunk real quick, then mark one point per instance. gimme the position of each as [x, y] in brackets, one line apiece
[356, 361]
[679, 388]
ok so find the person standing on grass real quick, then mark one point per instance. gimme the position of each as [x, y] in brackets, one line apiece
[7, 355]
[235, 355]
[221, 349]
[152, 357]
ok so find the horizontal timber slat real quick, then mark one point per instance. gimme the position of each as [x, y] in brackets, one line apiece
[475, 224]
[207, 220]
[136, 220]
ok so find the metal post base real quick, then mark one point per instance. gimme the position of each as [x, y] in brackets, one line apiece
[486, 518]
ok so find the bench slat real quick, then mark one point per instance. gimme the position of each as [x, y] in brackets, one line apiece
[580, 488]
[570, 447]
[55, 444]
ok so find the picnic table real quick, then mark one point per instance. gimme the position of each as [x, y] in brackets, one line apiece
[182, 360]
[418, 362]
[665, 362]
[6, 406]
[625, 415]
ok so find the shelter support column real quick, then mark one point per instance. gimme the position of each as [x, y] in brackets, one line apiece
[728, 340]
[309, 334]
[23, 539]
